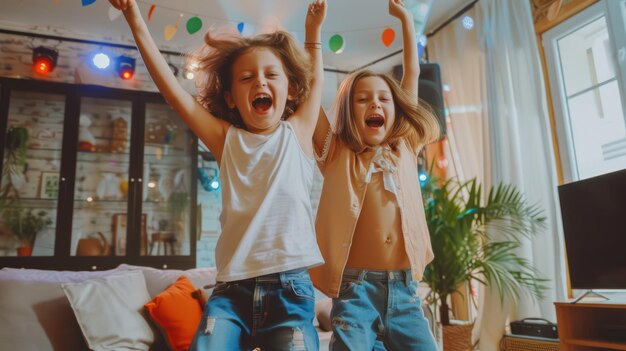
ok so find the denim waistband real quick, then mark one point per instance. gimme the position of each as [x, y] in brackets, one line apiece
[282, 277]
[367, 274]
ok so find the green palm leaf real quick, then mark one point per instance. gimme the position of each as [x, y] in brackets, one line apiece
[462, 226]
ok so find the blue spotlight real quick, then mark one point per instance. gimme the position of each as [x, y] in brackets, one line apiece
[209, 178]
[101, 60]
[468, 22]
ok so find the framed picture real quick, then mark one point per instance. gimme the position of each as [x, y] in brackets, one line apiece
[49, 186]
[119, 230]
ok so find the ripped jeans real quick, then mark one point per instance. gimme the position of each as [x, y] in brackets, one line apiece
[379, 310]
[273, 312]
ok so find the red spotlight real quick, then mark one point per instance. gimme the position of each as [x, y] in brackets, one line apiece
[127, 74]
[44, 59]
[125, 67]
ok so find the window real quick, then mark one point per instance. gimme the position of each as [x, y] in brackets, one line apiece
[587, 71]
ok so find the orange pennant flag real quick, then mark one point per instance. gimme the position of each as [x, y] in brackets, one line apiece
[152, 7]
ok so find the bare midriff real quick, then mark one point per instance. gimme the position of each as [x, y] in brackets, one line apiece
[378, 243]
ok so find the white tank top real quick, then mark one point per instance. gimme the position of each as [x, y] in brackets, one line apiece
[267, 219]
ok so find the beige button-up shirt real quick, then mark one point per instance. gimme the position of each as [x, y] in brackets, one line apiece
[340, 204]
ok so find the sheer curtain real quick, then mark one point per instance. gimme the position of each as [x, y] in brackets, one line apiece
[456, 49]
[518, 141]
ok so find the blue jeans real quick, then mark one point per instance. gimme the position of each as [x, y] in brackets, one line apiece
[272, 312]
[379, 310]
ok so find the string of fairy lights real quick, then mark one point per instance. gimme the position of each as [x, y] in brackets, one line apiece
[193, 23]
[45, 59]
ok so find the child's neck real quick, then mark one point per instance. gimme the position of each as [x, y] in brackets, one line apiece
[265, 131]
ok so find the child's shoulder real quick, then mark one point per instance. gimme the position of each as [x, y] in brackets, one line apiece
[410, 144]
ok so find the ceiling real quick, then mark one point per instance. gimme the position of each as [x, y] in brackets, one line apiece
[360, 22]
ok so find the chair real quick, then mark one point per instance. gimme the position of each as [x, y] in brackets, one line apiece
[165, 241]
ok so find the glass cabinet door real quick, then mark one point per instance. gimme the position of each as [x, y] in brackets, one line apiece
[166, 183]
[92, 177]
[99, 222]
[29, 186]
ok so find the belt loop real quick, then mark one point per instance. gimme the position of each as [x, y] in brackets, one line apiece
[284, 280]
[407, 277]
[362, 274]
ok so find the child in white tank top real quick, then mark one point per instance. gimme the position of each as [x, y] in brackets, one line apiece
[256, 109]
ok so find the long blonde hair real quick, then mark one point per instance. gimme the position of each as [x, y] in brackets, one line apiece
[415, 122]
[214, 73]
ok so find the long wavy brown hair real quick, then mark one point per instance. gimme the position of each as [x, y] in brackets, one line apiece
[214, 69]
[414, 122]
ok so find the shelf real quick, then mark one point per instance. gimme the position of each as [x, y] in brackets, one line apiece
[37, 203]
[179, 159]
[100, 204]
[87, 156]
[597, 343]
[165, 149]
[160, 161]
[44, 153]
[38, 199]
[589, 326]
[34, 149]
[164, 152]
[155, 203]
[100, 201]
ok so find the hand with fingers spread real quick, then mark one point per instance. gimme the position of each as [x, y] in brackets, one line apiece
[315, 15]
[398, 10]
[410, 58]
[123, 5]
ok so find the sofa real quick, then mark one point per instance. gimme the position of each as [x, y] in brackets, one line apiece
[66, 310]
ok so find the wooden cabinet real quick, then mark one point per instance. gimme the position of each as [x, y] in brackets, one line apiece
[111, 169]
[592, 325]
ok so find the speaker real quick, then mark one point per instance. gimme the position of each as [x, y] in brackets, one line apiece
[430, 89]
[535, 327]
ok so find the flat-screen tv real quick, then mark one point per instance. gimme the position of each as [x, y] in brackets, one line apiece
[594, 224]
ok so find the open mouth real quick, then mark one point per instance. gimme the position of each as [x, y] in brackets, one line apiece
[375, 121]
[262, 103]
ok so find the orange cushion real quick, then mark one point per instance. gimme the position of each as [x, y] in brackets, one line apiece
[177, 313]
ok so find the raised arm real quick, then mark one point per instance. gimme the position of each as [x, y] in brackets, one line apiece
[208, 128]
[308, 111]
[410, 58]
[321, 124]
[322, 135]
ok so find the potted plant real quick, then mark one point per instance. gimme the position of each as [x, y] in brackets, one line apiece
[25, 224]
[16, 144]
[461, 225]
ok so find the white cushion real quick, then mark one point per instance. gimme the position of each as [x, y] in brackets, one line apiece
[110, 311]
[34, 312]
[158, 280]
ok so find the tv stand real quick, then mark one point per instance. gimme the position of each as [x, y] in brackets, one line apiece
[593, 294]
[587, 326]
